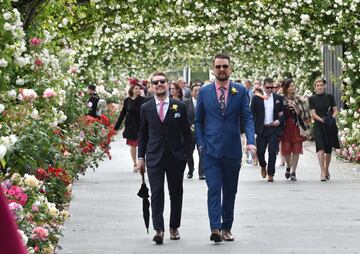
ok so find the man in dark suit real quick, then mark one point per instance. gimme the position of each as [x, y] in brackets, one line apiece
[268, 113]
[190, 109]
[221, 108]
[164, 143]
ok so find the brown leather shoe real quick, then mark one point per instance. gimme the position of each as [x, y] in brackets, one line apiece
[263, 172]
[174, 234]
[159, 237]
[215, 236]
[270, 179]
[227, 236]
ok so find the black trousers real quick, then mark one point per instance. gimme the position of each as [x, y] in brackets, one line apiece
[173, 168]
[268, 139]
[190, 161]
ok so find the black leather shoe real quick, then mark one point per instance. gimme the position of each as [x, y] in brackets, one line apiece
[201, 177]
[215, 236]
[227, 236]
[159, 237]
[190, 175]
[174, 234]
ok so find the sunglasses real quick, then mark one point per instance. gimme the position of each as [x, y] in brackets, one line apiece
[224, 66]
[161, 81]
[270, 87]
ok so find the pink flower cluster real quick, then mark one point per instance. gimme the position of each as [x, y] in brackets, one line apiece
[27, 94]
[16, 194]
[35, 41]
[40, 233]
[48, 93]
[351, 153]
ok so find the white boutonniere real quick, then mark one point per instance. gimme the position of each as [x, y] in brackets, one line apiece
[174, 107]
[234, 91]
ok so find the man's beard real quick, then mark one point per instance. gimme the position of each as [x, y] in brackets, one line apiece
[162, 94]
[222, 77]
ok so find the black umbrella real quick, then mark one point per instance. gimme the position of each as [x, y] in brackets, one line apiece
[144, 194]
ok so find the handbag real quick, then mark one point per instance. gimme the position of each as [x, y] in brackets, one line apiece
[304, 130]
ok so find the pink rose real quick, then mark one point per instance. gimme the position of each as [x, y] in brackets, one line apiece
[40, 233]
[48, 93]
[35, 41]
[38, 62]
[34, 208]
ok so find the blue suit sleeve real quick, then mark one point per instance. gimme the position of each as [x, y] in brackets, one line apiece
[247, 118]
[199, 120]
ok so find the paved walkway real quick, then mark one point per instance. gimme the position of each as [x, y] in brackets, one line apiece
[303, 217]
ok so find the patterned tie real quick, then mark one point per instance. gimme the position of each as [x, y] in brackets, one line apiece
[222, 99]
[161, 111]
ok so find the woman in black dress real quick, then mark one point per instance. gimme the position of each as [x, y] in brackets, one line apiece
[131, 110]
[323, 111]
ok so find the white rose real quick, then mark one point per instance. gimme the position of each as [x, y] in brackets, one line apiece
[34, 114]
[31, 181]
[358, 90]
[53, 212]
[2, 107]
[3, 63]
[7, 15]
[352, 100]
[356, 115]
[21, 61]
[24, 238]
[305, 18]
[8, 27]
[54, 124]
[12, 94]
[3, 150]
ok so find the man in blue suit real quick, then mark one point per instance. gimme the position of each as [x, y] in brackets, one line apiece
[221, 107]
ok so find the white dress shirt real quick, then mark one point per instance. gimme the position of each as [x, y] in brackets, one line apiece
[269, 110]
[194, 101]
[165, 107]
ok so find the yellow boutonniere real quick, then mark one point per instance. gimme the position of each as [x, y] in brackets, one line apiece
[174, 107]
[234, 91]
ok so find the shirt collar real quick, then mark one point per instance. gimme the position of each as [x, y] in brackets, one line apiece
[226, 86]
[167, 100]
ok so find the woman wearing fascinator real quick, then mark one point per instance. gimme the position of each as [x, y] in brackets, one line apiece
[131, 113]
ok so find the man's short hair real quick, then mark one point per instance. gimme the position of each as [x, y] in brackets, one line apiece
[221, 56]
[158, 73]
[268, 80]
[92, 87]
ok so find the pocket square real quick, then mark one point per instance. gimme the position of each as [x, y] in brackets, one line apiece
[277, 101]
[177, 115]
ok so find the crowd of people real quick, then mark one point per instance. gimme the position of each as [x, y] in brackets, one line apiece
[223, 119]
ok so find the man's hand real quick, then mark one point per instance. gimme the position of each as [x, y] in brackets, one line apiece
[141, 166]
[276, 123]
[252, 150]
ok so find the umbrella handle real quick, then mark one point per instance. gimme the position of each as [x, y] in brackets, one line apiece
[143, 177]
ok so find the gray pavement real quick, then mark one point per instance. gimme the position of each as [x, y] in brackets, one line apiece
[307, 216]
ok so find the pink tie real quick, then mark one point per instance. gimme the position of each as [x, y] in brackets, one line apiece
[161, 111]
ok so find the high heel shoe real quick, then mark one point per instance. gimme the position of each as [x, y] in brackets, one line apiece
[323, 180]
[327, 177]
[287, 173]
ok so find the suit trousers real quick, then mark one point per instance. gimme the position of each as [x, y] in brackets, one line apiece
[268, 139]
[174, 170]
[221, 176]
[190, 161]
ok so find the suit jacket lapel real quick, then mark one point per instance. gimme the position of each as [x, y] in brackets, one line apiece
[168, 113]
[215, 98]
[229, 98]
